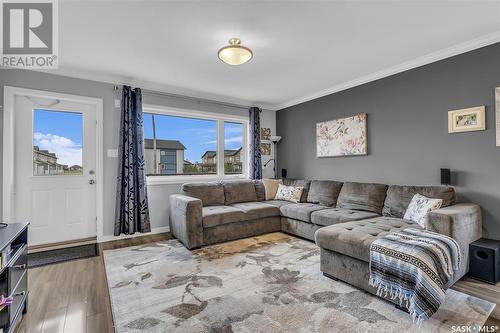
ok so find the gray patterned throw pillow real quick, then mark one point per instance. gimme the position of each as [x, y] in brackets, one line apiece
[289, 193]
[419, 207]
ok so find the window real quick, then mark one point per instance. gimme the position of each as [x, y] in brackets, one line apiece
[179, 144]
[57, 143]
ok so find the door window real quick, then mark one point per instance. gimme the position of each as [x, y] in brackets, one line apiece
[57, 143]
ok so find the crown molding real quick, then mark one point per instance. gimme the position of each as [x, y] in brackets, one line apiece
[418, 62]
[146, 85]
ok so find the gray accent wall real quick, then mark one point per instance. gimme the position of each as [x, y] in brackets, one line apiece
[157, 194]
[408, 140]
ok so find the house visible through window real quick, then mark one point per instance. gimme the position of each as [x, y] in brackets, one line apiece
[233, 143]
[178, 145]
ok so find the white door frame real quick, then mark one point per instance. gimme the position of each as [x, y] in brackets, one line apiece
[8, 147]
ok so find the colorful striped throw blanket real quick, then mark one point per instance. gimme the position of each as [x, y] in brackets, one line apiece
[414, 266]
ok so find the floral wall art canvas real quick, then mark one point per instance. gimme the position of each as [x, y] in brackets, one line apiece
[342, 137]
[265, 133]
[265, 149]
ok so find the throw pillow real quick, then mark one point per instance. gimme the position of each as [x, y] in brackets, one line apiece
[419, 207]
[289, 193]
[271, 187]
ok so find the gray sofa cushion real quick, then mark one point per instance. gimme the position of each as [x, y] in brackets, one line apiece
[324, 192]
[239, 191]
[257, 210]
[399, 197]
[339, 215]
[354, 238]
[210, 194]
[299, 182]
[278, 203]
[362, 196]
[213, 216]
[260, 190]
[237, 230]
[300, 211]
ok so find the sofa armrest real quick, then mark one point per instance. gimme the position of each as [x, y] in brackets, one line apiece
[462, 222]
[186, 220]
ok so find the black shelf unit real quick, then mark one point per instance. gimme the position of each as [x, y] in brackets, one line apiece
[14, 273]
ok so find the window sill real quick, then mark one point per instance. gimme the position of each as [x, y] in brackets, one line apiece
[173, 180]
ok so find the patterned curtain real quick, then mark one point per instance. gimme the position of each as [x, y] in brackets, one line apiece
[255, 160]
[132, 213]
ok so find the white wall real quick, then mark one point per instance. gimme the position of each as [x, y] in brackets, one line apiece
[157, 194]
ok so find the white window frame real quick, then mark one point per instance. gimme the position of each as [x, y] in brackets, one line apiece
[220, 119]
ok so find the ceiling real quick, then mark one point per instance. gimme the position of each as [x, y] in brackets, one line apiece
[302, 50]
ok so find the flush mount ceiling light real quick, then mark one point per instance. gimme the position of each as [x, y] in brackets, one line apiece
[235, 53]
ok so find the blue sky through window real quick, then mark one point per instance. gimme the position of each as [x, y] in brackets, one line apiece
[197, 135]
[60, 133]
[233, 135]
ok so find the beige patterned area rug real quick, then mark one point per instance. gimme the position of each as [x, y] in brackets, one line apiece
[270, 283]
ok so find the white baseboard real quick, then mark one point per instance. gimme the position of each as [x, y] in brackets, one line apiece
[107, 238]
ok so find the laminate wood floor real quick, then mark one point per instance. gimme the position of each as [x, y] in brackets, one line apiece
[73, 297]
[68, 297]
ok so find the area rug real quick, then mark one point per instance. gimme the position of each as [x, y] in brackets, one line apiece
[270, 283]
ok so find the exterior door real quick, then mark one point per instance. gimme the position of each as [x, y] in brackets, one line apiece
[54, 168]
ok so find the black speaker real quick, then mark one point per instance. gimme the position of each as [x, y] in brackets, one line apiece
[484, 260]
[445, 176]
[283, 173]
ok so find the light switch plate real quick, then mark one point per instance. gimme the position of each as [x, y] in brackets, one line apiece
[112, 152]
[117, 103]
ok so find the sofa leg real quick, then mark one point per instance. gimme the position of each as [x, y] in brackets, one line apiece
[330, 276]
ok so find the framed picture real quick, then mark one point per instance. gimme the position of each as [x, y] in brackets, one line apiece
[342, 137]
[497, 120]
[265, 133]
[265, 148]
[466, 120]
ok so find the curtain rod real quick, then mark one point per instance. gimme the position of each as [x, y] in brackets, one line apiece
[193, 99]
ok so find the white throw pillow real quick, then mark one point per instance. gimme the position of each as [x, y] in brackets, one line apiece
[419, 207]
[289, 193]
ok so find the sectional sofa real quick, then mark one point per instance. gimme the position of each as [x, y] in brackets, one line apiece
[342, 218]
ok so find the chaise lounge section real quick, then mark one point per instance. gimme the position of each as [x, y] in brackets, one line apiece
[345, 247]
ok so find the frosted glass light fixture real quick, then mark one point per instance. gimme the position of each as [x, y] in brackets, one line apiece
[235, 53]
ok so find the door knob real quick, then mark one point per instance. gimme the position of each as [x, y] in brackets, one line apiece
[91, 182]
